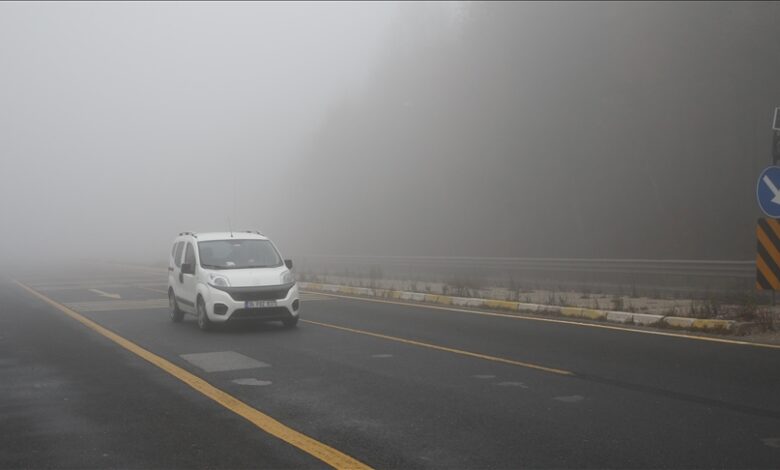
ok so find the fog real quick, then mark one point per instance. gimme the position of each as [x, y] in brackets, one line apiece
[122, 124]
[556, 130]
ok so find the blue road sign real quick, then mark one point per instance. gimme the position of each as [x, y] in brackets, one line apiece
[768, 191]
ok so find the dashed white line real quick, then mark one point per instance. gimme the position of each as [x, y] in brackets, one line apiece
[105, 294]
[252, 382]
[512, 384]
[570, 399]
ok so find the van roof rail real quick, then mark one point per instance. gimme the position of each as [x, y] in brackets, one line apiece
[254, 231]
[195, 235]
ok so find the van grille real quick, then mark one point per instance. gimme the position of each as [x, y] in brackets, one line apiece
[242, 294]
[273, 313]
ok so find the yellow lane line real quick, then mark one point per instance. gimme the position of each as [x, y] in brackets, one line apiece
[555, 320]
[266, 423]
[444, 348]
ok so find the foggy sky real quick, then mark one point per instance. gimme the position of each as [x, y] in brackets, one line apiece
[122, 124]
[484, 129]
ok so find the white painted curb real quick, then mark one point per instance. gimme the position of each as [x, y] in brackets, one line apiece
[644, 319]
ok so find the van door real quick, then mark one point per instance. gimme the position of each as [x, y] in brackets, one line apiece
[174, 270]
[173, 264]
[188, 280]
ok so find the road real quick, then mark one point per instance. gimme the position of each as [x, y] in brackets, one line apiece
[386, 384]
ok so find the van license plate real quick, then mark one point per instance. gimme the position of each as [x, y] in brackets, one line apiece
[260, 303]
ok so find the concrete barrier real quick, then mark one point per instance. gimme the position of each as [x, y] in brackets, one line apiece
[592, 314]
[572, 312]
[716, 325]
[524, 307]
[500, 305]
[620, 317]
[644, 319]
[678, 322]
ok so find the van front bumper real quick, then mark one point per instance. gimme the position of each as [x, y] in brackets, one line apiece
[226, 304]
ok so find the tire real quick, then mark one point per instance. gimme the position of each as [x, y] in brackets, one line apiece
[203, 319]
[177, 315]
[290, 322]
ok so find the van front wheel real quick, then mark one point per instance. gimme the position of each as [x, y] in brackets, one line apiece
[203, 319]
[176, 313]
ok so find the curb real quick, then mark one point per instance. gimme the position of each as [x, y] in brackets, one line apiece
[643, 319]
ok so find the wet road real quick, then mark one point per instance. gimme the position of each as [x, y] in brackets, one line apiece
[388, 385]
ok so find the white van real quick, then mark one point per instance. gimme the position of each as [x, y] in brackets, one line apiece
[230, 276]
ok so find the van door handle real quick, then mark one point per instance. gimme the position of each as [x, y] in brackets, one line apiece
[181, 278]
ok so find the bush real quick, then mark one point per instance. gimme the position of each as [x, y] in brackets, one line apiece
[765, 318]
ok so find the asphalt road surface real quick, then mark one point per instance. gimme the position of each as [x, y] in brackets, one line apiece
[98, 376]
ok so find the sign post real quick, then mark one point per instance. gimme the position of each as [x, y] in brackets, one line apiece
[768, 191]
[768, 255]
[768, 229]
[776, 137]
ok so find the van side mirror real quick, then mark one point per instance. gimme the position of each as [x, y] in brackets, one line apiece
[187, 268]
[288, 263]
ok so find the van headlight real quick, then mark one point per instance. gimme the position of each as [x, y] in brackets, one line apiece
[288, 278]
[218, 281]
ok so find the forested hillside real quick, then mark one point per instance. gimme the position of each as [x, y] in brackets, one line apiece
[517, 129]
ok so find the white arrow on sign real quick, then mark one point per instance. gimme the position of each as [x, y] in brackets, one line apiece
[116, 296]
[772, 188]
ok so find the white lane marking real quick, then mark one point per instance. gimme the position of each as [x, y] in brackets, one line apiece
[81, 286]
[112, 305]
[381, 356]
[312, 297]
[512, 384]
[570, 399]
[222, 361]
[252, 382]
[152, 289]
[106, 294]
[102, 283]
[557, 321]
[484, 376]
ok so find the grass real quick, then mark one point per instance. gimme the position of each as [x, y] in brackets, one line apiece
[707, 308]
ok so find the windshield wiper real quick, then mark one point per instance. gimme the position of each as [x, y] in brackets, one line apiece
[213, 266]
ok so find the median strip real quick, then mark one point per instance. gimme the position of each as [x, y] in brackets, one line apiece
[571, 312]
[457, 304]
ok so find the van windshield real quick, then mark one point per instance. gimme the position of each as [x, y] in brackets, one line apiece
[238, 254]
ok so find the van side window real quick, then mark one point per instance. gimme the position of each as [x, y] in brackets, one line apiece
[177, 255]
[189, 257]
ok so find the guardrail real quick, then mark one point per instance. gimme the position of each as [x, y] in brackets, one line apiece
[640, 276]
